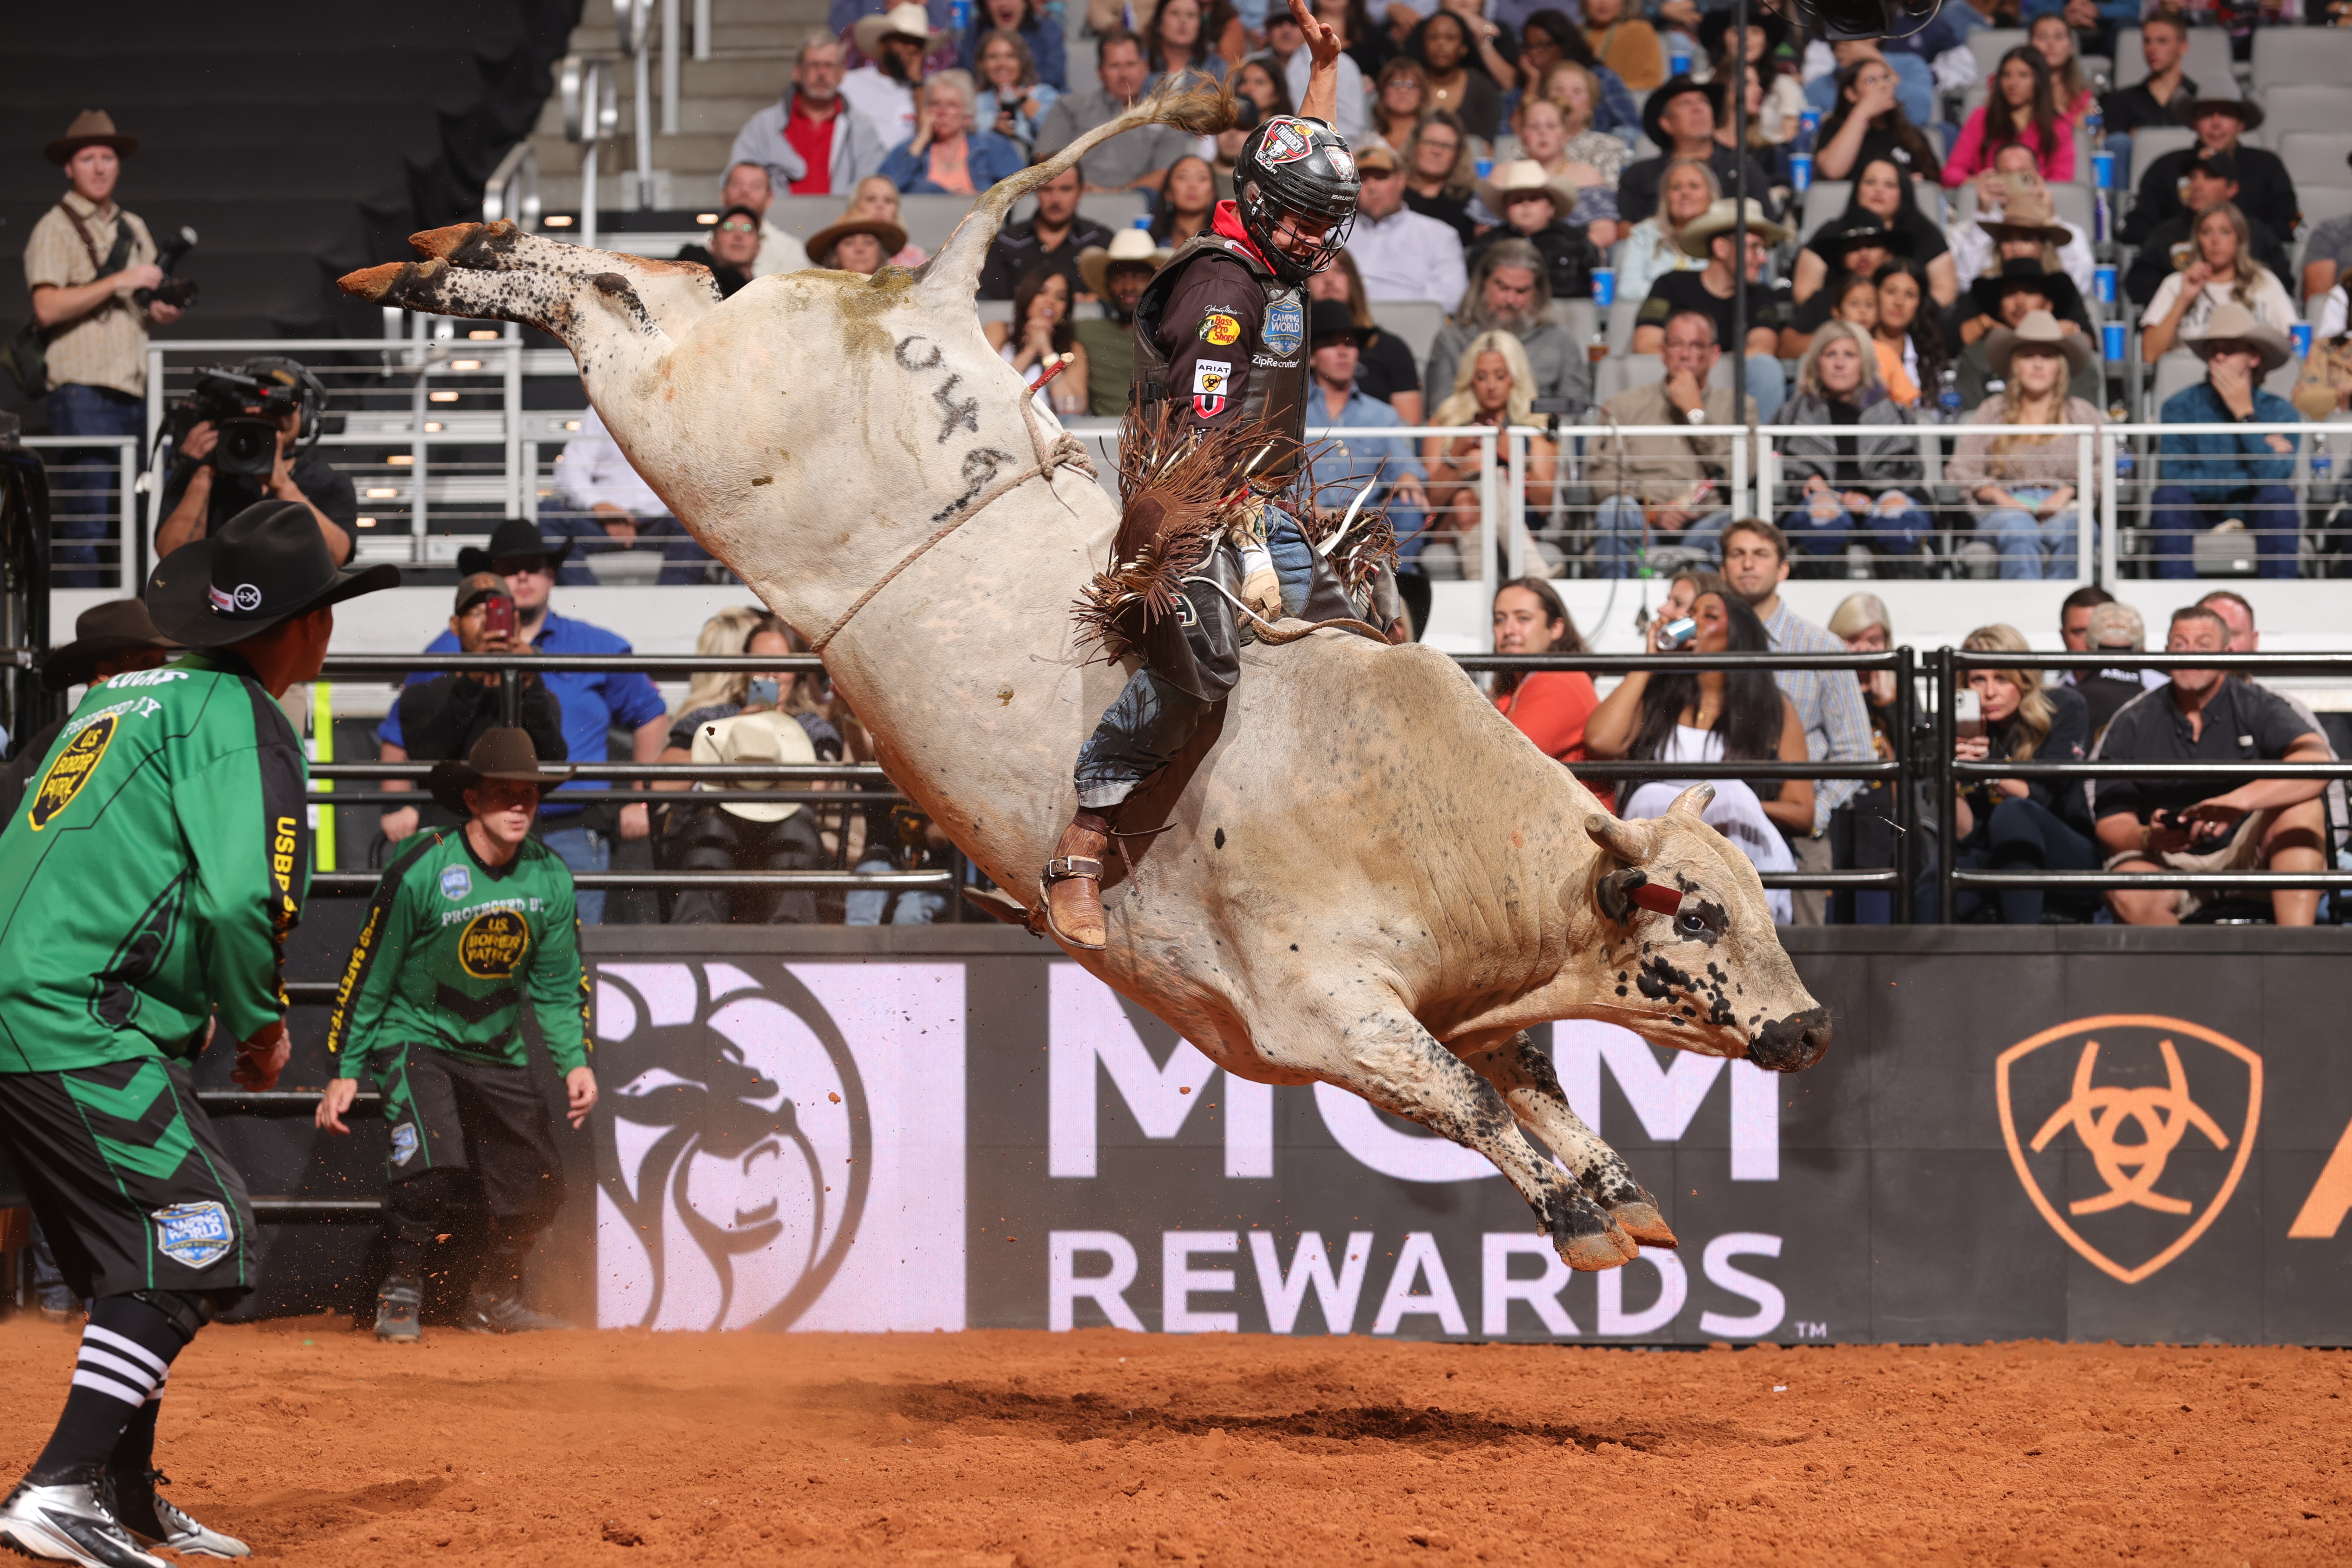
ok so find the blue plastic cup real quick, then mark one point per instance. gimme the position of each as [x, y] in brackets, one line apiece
[2111, 341]
[1800, 170]
[1604, 287]
[1810, 122]
[2103, 170]
[1486, 167]
[2103, 284]
[2299, 335]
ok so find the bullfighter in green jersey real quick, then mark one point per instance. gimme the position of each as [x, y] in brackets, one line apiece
[470, 927]
[149, 879]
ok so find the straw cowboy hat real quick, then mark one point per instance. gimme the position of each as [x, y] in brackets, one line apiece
[2029, 210]
[2040, 329]
[821, 243]
[2116, 626]
[500, 753]
[1718, 219]
[90, 128]
[266, 564]
[1130, 245]
[1526, 174]
[769, 737]
[116, 627]
[907, 20]
[2231, 322]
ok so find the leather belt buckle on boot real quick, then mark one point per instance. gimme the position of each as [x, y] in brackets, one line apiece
[1070, 888]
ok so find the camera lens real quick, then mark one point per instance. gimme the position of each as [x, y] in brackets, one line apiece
[246, 446]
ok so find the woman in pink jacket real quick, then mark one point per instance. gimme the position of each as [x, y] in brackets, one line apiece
[2021, 109]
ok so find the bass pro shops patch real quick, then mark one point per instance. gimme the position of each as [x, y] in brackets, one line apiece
[1221, 329]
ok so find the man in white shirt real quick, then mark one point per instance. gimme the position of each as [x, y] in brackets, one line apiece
[885, 92]
[1286, 50]
[747, 186]
[1401, 254]
[614, 508]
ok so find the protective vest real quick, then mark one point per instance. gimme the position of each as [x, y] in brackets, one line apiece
[1277, 385]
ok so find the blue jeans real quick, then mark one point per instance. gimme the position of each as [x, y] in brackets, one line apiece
[1767, 386]
[83, 475]
[1139, 733]
[1618, 531]
[2021, 537]
[582, 849]
[1896, 533]
[2022, 835]
[2176, 513]
[913, 906]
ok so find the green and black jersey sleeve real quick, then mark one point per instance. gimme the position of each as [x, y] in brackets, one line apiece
[451, 953]
[152, 871]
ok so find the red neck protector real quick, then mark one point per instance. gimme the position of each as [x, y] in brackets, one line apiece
[1226, 221]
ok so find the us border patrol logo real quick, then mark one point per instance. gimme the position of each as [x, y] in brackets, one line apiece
[70, 772]
[404, 1143]
[493, 944]
[457, 882]
[194, 1235]
[1286, 326]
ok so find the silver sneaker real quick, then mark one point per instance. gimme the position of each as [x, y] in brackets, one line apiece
[69, 1522]
[153, 1520]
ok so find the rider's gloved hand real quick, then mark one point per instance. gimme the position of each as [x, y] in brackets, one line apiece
[1262, 591]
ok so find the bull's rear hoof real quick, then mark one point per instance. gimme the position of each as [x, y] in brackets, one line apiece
[1603, 1249]
[1644, 1224]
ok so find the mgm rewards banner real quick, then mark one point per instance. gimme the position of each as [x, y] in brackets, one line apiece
[2080, 1134]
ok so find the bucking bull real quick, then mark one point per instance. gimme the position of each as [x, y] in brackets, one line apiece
[1359, 874]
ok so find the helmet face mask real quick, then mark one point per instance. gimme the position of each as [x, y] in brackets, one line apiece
[1296, 192]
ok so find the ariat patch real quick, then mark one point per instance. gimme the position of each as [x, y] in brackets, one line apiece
[1221, 329]
[404, 1143]
[1286, 325]
[492, 944]
[457, 882]
[194, 1235]
[70, 772]
[1213, 377]
[1287, 142]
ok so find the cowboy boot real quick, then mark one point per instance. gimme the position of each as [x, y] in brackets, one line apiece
[1073, 879]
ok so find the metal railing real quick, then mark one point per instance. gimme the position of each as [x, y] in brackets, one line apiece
[116, 558]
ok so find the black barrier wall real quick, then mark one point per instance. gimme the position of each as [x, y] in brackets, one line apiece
[2069, 1133]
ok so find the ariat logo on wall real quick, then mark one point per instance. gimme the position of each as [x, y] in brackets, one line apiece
[492, 944]
[70, 772]
[2130, 1132]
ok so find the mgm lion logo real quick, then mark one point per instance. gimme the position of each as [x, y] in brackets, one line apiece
[492, 945]
[2168, 1143]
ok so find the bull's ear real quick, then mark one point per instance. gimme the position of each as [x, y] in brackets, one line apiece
[1615, 893]
[1694, 800]
[1631, 842]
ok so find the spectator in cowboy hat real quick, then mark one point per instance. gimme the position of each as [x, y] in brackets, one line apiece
[2022, 289]
[2237, 479]
[1855, 246]
[2024, 489]
[108, 639]
[1402, 254]
[857, 245]
[1680, 118]
[1114, 274]
[2264, 190]
[2114, 628]
[591, 702]
[83, 260]
[1710, 290]
[747, 836]
[1534, 206]
[884, 92]
[2024, 223]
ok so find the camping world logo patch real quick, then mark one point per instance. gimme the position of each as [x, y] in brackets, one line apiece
[1286, 326]
[194, 1235]
[404, 1143]
[70, 772]
[492, 944]
[457, 882]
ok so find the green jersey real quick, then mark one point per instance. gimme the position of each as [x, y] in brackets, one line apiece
[152, 871]
[448, 951]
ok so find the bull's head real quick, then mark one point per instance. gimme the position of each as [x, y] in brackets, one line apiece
[1694, 961]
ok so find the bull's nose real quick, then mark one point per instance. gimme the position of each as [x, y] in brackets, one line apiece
[1792, 1043]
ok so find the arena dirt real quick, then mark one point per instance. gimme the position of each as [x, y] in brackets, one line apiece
[322, 1448]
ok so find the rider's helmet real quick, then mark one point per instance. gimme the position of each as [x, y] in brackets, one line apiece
[1293, 169]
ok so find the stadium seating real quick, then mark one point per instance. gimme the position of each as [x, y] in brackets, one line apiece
[2285, 56]
[2208, 64]
[2318, 157]
[2305, 107]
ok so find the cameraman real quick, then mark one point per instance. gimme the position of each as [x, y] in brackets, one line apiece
[85, 260]
[198, 497]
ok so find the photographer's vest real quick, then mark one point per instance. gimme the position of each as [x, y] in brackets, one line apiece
[1277, 383]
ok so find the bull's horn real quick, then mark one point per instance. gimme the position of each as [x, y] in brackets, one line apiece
[1694, 800]
[1631, 842]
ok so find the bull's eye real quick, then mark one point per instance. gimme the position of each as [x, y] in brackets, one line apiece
[1692, 924]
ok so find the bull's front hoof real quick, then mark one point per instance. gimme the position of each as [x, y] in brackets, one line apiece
[1644, 1224]
[1610, 1248]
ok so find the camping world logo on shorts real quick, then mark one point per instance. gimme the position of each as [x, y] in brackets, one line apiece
[70, 772]
[194, 1235]
[2165, 1111]
[492, 944]
[404, 1143]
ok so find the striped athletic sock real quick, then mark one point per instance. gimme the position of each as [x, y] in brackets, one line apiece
[118, 1384]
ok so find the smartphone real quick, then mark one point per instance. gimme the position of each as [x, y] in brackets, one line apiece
[1677, 635]
[1968, 714]
[761, 694]
[498, 616]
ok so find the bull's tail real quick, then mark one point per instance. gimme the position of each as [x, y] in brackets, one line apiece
[954, 273]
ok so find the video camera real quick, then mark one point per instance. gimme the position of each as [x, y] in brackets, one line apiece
[244, 406]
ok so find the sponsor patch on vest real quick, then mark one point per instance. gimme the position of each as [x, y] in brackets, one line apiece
[1286, 326]
[1211, 375]
[70, 772]
[1221, 329]
[194, 1235]
[493, 944]
[457, 882]
[1287, 142]
[404, 1143]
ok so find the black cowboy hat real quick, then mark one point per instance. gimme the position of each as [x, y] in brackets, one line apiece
[1330, 319]
[1654, 112]
[500, 753]
[1858, 231]
[266, 564]
[2020, 273]
[2245, 111]
[116, 627]
[515, 536]
[1715, 26]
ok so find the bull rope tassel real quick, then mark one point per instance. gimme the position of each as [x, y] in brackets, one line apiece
[1064, 450]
